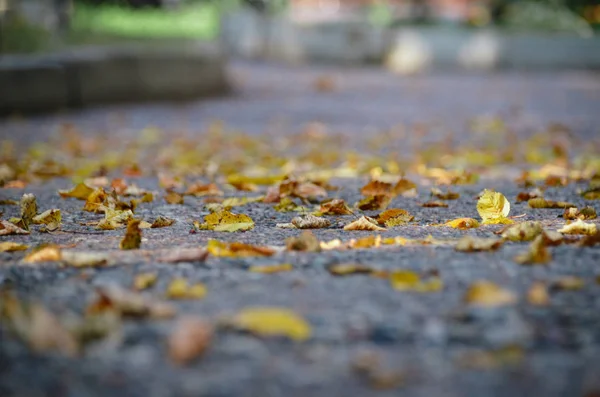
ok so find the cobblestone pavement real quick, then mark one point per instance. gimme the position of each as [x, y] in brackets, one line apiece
[438, 345]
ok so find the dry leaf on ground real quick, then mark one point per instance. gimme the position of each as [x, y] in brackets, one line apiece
[133, 236]
[162, 221]
[463, 223]
[434, 204]
[493, 208]
[524, 231]
[11, 246]
[310, 222]
[270, 269]
[364, 223]
[394, 217]
[225, 221]
[439, 194]
[189, 339]
[347, 269]
[406, 280]
[335, 207]
[271, 321]
[379, 202]
[537, 294]
[488, 294]
[44, 253]
[81, 192]
[113, 298]
[537, 253]
[184, 255]
[540, 202]
[220, 248]
[306, 241]
[179, 288]
[143, 281]
[579, 227]
[474, 244]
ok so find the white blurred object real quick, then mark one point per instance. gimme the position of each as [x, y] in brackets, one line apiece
[482, 51]
[409, 54]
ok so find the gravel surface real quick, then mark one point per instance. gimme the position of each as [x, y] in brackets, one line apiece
[433, 340]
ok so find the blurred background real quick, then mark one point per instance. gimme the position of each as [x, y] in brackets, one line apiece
[405, 36]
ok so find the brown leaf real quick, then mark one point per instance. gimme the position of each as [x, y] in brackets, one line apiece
[7, 228]
[143, 281]
[162, 221]
[488, 294]
[84, 258]
[526, 196]
[405, 188]
[543, 203]
[200, 189]
[190, 339]
[44, 253]
[133, 236]
[81, 192]
[568, 283]
[184, 255]
[378, 188]
[364, 223]
[434, 204]
[474, 244]
[310, 222]
[394, 217]
[346, 269]
[379, 202]
[174, 198]
[335, 207]
[304, 242]
[537, 253]
[449, 195]
[28, 209]
[128, 303]
[585, 213]
[10, 246]
[463, 223]
[235, 249]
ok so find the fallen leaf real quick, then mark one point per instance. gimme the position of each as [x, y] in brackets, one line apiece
[593, 193]
[225, 221]
[310, 221]
[463, 223]
[543, 203]
[189, 339]
[449, 195]
[10, 246]
[335, 207]
[162, 221]
[364, 223]
[474, 244]
[537, 253]
[28, 209]
[8, 202]
[304, 190]
[271, 321]
[524, 231]
[394, 217]
[51, 218]
[147, 198]
[366, 242]
[537, 294]
[305, 242]
[84, 258]
[180, 289]
[406, 280]
[184, 255]
[270, 269]
[95, 200]
[347, 269]
[133, 236]
[369, 366]
[36, 326]
[585, 213]
[488, 294]
[378, 188]
[286, 204]
[590, 241]
[81, 192]
[493, 208]
[526, 196]
[332, 244]
[143, 281]
[44, 253]
[579, 227]
[174, 198]
[129, 303]
[379, 202]
[114, 219]
[508, 355]
[434, 204]
[568, 283]
[239, 201]
[199, 189]
[324, 84]
[405, 188]
[219, 248]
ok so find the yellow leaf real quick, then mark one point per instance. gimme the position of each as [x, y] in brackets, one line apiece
[405, 188]
[540, 202]
[584, 213]
[48, 253]
[394, 217]
[435, 204]
[488, 294]
[366, 242]
[219, 248]
[112, 298]
[493, 207]
[286, 204]
[473, 244]
[28, 209]
[133, 236]
[239, 201]
[162, 221]
[10, 246]
[225, 221]
[463, 223]
[48, 217]
[144, 280]
[346, 269]
[579, 227]
[237, 179]
[272, 321]
[84, 258]
[536, 254]
[114, 219]
[569, 283]
[174, 198]
[377, 188]
[364, 223]
[81, 192]
[524, 231]
[537, 294]
[406, 280]
[269, 269]
[95, 200]
[179, 289]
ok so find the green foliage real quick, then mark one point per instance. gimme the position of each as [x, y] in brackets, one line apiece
[19, 36]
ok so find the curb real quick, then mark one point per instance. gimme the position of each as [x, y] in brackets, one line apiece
[97, 75]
